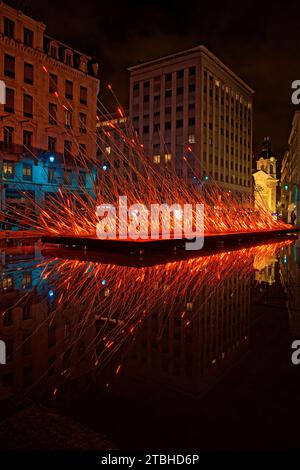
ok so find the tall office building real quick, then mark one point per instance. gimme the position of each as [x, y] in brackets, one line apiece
[191, 104]
[51, 105]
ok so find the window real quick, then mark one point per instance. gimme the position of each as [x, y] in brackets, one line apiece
[69, 89]
[9, 106]
[83, 64]
[179, 90]
[168, 93]
[180, 73]
[52, 113]
[67, 148]
[8, 169]
[82, 150]
[167, 125]
[68, 118]
[52, 83]
[9, 66]
[26, 281]
[191, 121]
[28, 73]
[82, 123]
[192, 88]
[168, 77]
[156, 159]
[9, 28]
[27, 172]
[107, 150]
[192, 71]
[82, 178]
[67, 176]
[8, 282]
[192, 139]
[28, 37]
[146, 129]
[8, 135]
[83, 95]
[69, 58]
[28, 105]
[51, 175]
[53, 51]
[168, 157]
[179, 123]
[51, 144]
[27, 140]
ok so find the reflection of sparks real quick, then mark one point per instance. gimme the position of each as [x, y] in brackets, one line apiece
[114, 321]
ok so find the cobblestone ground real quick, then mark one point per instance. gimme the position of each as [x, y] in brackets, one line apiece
[37, 428]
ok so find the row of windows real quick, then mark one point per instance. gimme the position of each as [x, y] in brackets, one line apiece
[168, 77]
[9, 31]
[53, 48]
[8, 171]
[9, 107]
[28, 72]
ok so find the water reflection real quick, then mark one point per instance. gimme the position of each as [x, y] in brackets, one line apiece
[182, 323]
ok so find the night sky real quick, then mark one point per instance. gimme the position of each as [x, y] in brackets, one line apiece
[259, 41]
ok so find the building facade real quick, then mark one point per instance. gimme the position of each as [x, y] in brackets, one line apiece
[265, 179]
[190, 104]
[50, 110]
[290, 173]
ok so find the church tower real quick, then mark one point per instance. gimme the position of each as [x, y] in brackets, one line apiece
[265, 178]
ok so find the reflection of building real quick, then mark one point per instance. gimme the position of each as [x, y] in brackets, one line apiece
[265, 178]
[51, 92]
[290, 277]
[290, 173]
[191, 357]
[265, 268]
[191, 104]
[38, 342]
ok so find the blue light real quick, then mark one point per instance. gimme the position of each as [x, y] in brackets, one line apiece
[51, 158]
[51, 293]
[286, 187]
[104, 167]
[103, 282]
[206, 178]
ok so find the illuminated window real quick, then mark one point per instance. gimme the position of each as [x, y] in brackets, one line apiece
[156, 158]
[27, 172]
[192, 139]
[189, 306]
[217, 82]
[8, 282]
[8, 169]
[168, 157]
[107, 150]
[83, 64]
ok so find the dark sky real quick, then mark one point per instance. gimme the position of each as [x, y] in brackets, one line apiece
[260, 41]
